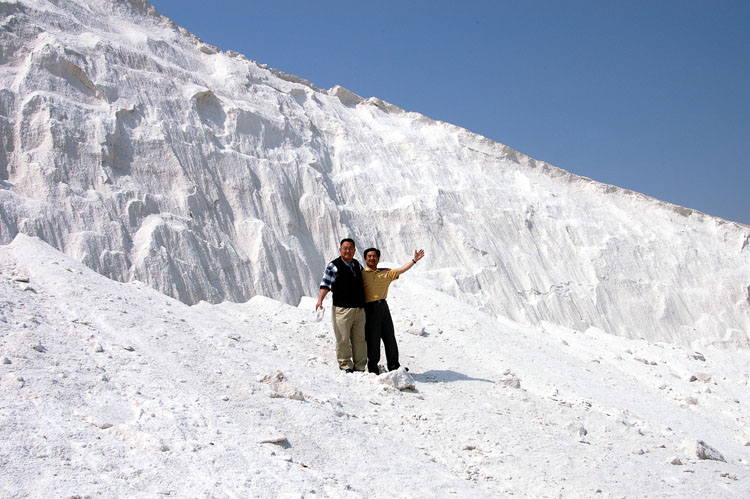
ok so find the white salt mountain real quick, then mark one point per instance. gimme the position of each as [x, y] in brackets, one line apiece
[148, 155]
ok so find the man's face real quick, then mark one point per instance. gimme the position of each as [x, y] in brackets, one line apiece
[347, 252]
[372, 260]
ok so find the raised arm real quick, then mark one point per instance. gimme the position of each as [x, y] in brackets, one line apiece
[417, 257]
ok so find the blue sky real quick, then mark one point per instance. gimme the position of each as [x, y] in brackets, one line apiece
[652, 96]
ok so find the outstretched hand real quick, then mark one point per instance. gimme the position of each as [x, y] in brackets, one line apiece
[418, 254]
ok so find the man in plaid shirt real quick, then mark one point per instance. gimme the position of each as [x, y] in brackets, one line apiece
[343, 277]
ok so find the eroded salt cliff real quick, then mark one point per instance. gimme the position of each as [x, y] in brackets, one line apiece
[149, 155]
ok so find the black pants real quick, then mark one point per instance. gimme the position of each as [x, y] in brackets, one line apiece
[379, 325]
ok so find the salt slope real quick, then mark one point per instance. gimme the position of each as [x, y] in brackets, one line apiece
[114, 390]
[149, 155]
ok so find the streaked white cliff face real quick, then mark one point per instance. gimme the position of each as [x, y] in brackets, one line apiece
[148, 155]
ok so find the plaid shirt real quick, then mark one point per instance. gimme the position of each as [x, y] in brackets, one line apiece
[329, 277]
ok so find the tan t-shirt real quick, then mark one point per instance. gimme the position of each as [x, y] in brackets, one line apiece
[376, 283]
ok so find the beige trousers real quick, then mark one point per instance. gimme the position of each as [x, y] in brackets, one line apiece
[349, 328]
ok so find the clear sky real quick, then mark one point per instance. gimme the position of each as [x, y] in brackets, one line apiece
[649, 95]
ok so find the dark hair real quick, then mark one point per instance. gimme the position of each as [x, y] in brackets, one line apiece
[347, 240]
[377, 252]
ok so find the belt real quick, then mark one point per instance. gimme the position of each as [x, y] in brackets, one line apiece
[376, 301]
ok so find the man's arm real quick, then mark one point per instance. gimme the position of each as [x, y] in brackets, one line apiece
[321, 297]
[417, 257]
[329, 277]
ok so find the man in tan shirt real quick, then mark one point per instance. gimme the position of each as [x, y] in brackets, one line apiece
[378, 322]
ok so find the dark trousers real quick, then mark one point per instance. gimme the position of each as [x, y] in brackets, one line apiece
[379, 326]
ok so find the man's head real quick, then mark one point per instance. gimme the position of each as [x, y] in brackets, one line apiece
[372, 257]
[347, 249]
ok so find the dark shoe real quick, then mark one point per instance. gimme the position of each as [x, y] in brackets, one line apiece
[375, 371]
[350, 370]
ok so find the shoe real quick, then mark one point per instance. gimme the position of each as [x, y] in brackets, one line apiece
[375, 371]
[350, 370]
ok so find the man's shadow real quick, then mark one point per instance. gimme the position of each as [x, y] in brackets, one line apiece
[444, 376]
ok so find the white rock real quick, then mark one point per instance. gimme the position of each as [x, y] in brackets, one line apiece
[515, 382]
[432, 330]
[282, 388]
[704, 377]
[701, 450]
[416, 330]
[399, 379]
[578, 429]
[276, 439]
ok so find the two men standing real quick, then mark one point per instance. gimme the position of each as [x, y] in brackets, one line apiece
[360, 314]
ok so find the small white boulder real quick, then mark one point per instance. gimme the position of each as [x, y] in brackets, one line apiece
[399, 378]
[701, 450]
[282, 388]
[704, 377]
